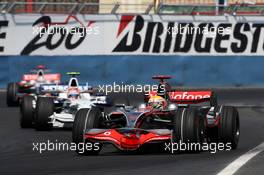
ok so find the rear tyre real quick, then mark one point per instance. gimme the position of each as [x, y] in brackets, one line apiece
[44, 109]
[11, 95]
[86, 119]
[188, 128]
[26, 112]
[229, 127]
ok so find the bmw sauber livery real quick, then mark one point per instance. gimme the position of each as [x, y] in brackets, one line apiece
[58, 104]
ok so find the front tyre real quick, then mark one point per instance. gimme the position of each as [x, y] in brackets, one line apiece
[86, 119]
[229, 127]
[26, 112]
[188, 128]
[44, 109]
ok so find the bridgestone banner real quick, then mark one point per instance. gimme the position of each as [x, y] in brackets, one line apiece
[131, 35]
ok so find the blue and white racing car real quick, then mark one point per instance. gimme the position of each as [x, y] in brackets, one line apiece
[58, 104]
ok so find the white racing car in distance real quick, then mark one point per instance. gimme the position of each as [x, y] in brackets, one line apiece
[58, 104]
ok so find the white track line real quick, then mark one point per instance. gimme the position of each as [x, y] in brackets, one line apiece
[240, 161]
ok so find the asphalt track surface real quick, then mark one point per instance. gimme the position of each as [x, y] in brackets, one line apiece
[17, 155]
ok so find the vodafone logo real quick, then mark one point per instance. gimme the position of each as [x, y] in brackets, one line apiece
[190, 95]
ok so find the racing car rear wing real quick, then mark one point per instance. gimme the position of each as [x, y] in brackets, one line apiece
[190, 97]
[48, 77]
[186, 97]
[181, 96]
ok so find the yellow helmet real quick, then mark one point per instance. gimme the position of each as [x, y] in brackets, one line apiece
[157, 102]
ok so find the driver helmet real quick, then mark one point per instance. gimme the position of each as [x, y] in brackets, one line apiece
[73, 93]
[157, 102]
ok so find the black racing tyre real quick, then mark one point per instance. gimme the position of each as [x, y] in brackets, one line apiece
[44, 109]
[26, 111]
[188, 128]
[11, 95]
[86, 119]
[229, 127]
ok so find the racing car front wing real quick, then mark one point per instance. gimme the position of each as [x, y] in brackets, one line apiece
[127, 139]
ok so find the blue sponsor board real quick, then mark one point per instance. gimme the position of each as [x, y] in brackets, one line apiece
[192, 71]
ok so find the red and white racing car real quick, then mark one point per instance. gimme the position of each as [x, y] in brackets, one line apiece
[29, 84]
[166, 116]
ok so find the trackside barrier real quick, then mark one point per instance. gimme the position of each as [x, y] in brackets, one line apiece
[192, 71]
